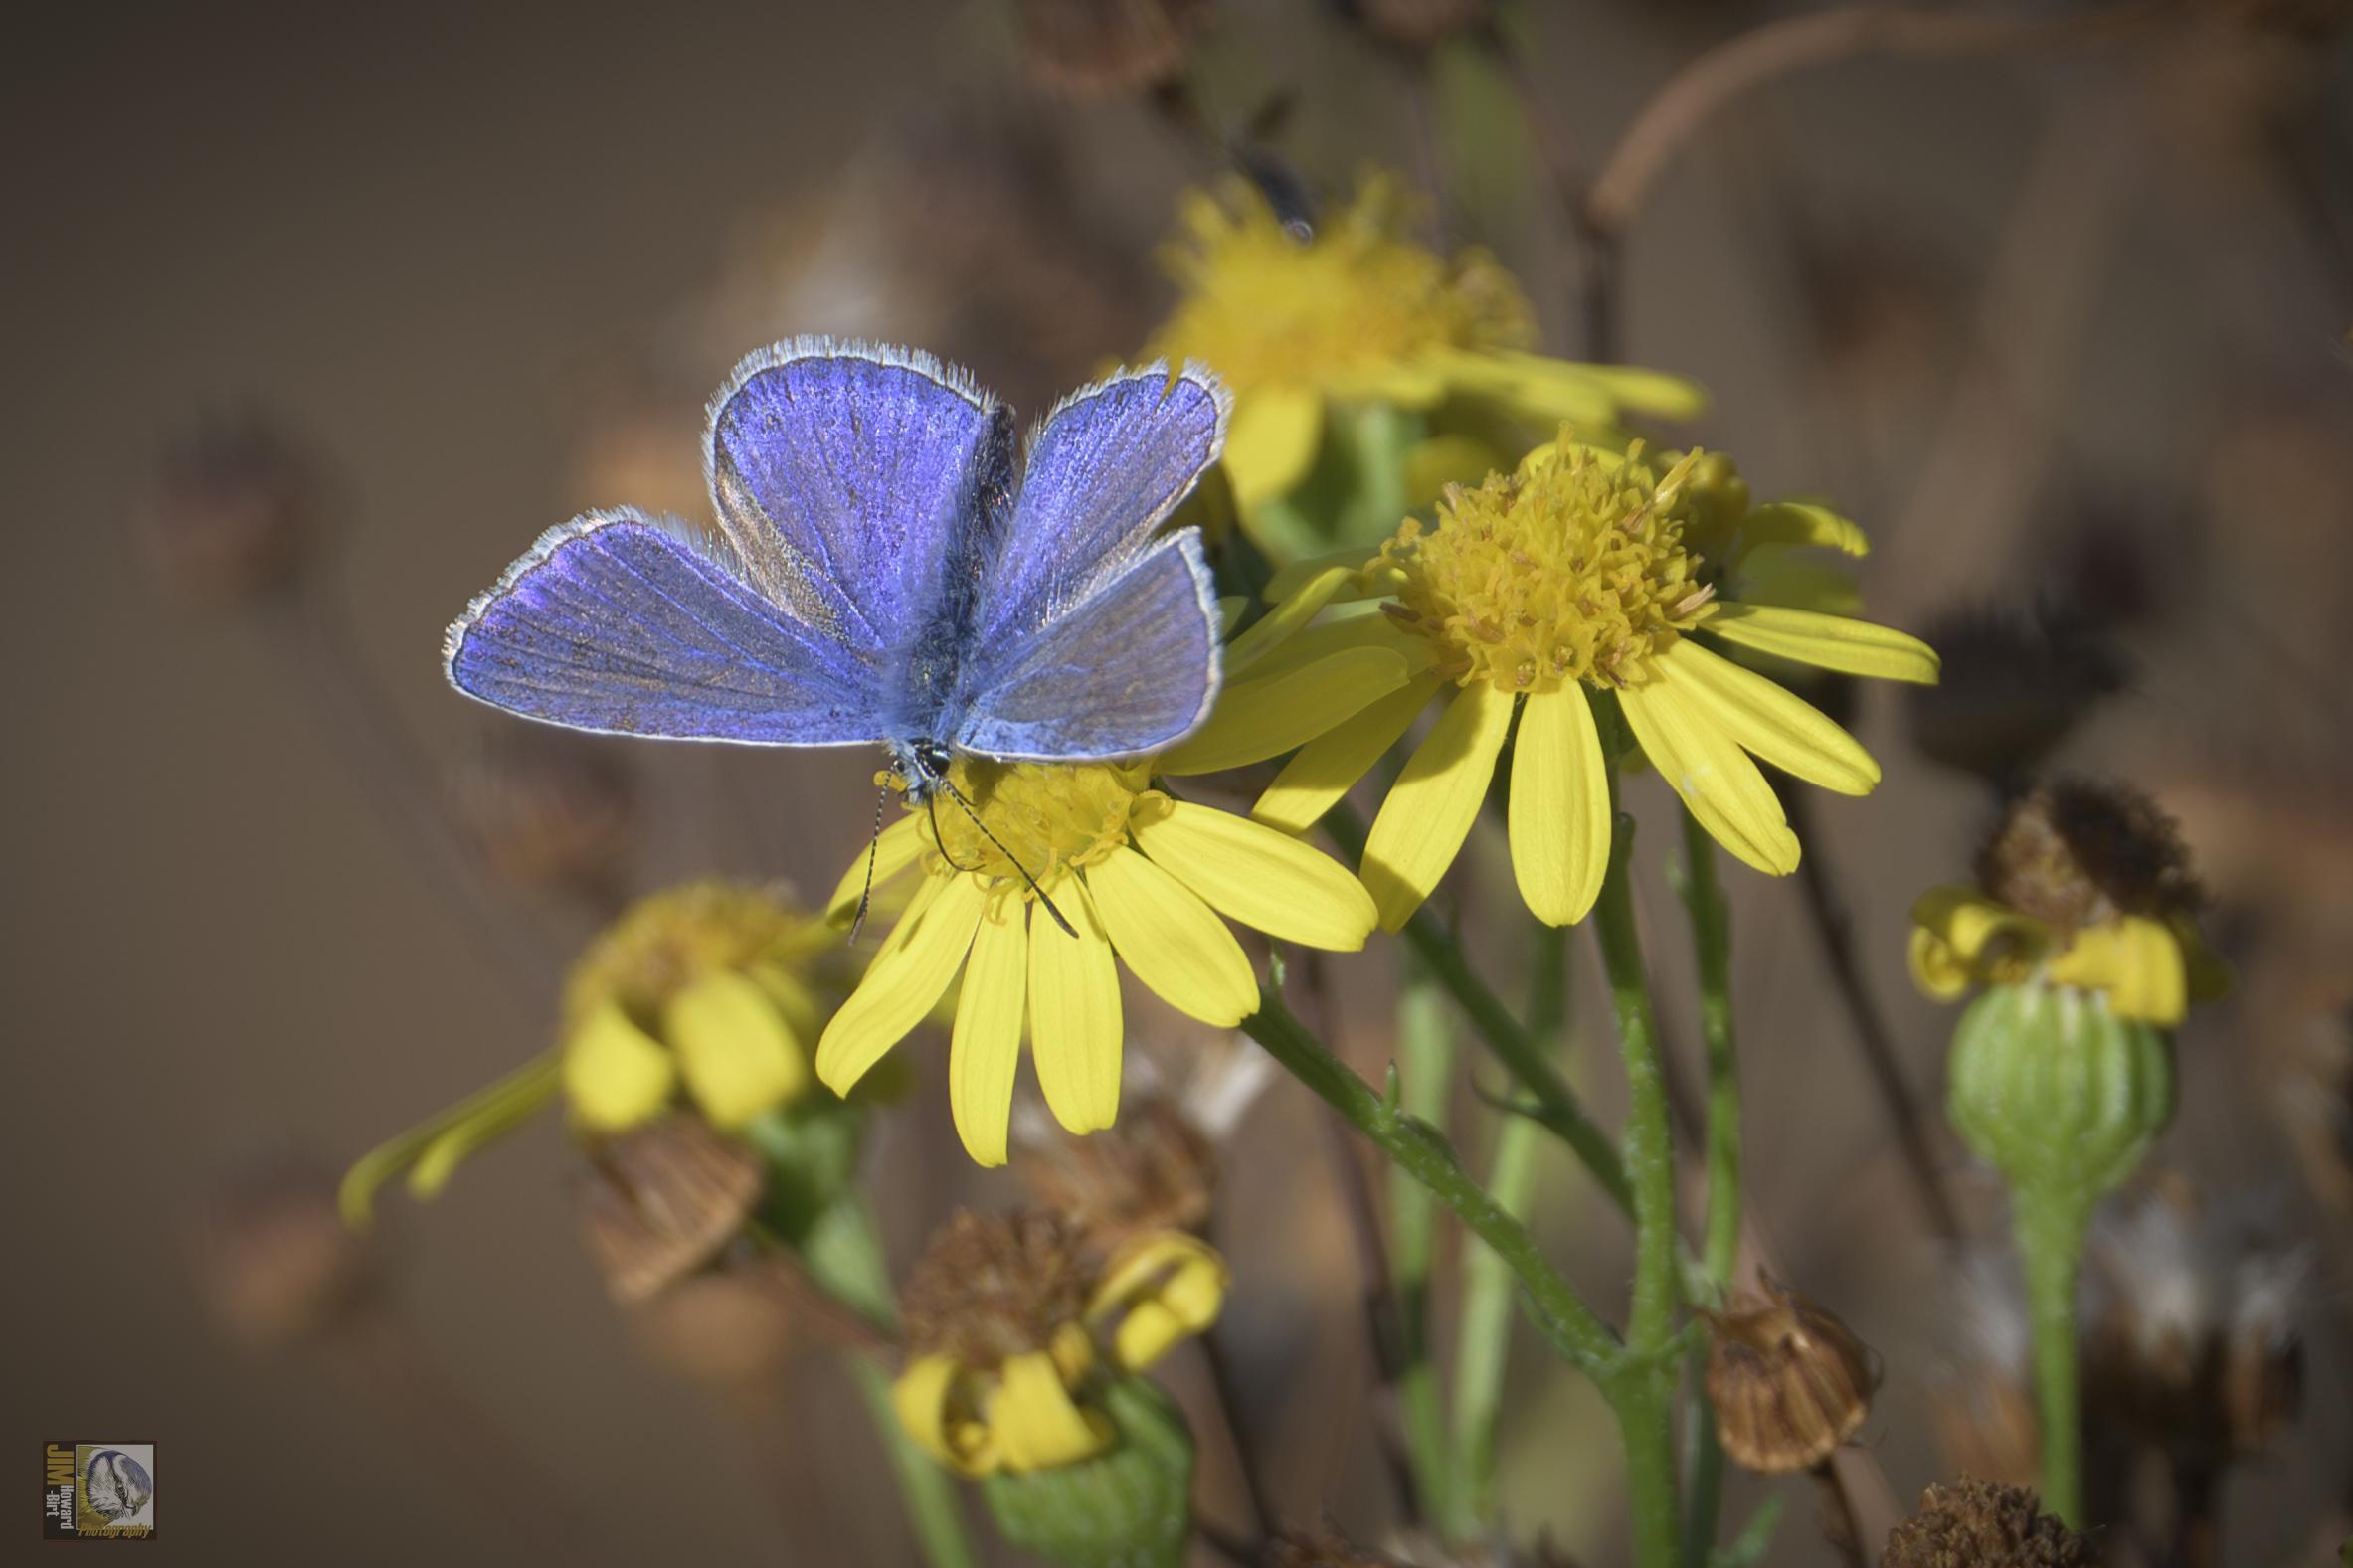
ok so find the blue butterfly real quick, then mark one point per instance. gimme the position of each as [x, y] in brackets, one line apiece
[886, 571]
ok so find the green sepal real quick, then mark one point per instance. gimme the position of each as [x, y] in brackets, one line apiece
[1129, 1506]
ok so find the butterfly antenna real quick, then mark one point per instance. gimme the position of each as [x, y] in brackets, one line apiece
[874, 846]
[958, 797]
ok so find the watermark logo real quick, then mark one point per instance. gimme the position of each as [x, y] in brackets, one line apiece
[96, 1489]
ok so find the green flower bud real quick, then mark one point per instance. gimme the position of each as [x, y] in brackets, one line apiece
[1129, 1506]
[2055, 1089]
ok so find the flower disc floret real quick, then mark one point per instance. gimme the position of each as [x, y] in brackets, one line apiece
[1568, 571]
[1048, 820]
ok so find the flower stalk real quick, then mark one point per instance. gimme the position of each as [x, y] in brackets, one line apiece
[1425, 1050]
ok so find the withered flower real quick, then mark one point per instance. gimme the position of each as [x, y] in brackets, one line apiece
[1788, 1381]
[1978, 1525]
[662, 1200]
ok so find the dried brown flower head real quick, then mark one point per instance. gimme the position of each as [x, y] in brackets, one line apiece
[547, 809]
[1978, 1525]
[2077, 854]
[726, 1327]
[662, 1200]
[1788, 1381]
[233, 512]
[1155, 1170]
[991, 1287]
[1102, 48]
[275, 1260]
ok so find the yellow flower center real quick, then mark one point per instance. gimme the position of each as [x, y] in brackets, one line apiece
[1044, 818]
[1261, 305]
[1572, 570]
[665, 943]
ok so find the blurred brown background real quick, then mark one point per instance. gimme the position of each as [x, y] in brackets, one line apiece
[2046, 325]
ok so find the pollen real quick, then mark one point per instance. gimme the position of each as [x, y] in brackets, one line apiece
[1048, 819]
[1263, 304]
[1572, 570]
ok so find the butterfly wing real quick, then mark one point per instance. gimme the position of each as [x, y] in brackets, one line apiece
[1095, 640]
[616, 622]
[861, 488]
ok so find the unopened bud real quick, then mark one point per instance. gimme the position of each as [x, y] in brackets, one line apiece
[1788, 1381]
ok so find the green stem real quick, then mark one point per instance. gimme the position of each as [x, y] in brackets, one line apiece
[1557, 1106]
[1711, 944]
[2050, 1227]
[1424, 1153]
[1425, 1051]
[1483, 1341]
[843, 1253]
[1644, 1405]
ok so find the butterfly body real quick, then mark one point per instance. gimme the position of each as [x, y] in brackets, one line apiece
[887, 569]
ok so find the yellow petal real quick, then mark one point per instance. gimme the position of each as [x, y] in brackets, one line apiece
[1936, 967]
[737, 1055]
[1162, 1287]
[1271, 441]
[1258, 876]
[1074, 1014]
[1560, 823]
[1258, 719]
[1328, 767]
[2136, 961]
[1290, 581]
[1798, 523]
[1033, 1424]
[1716, 779]
[1172, 940]
[615, 1074]
[1430, 808]
[984, 1049]
[909, 972]
[1965, 919]
[448, 1140]
[1831, 643]
[1289, 616]
[1778, 726]
[922, 1397]
[894, 851]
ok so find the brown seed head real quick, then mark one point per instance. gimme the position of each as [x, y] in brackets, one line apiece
[232, 513]
[1102, 48]
[275, 1262]
[1152, 1171]
[1978, 1525]
[1788, 1381]
[2077, 854]
[992, 1286]
[727, 1327]
[662, 1200]
[546, 809]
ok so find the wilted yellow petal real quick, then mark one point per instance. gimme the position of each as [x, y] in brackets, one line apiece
[1329, 765]
[910, 970]
[2136, 961]
[1258, 876]
[984, 1049]
[1716, 779]
[1831, 643]
[615, 1074]
[921, 1396]
[894, 851]
[734, 1048]
[1779, 727]
[1174, 942]
[1162, 1288]
[1936, 967]
[1271, 441]
[1968, 922]
[1430, 808]
[1258, 719]
[1074, 1013]
[1559, 821]
[1033, 1424]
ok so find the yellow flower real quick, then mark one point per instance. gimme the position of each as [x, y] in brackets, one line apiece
[2084, 887]
[708, 990]
[1012, 1331]
[1358, 312]
[1573, 585]
[1142, 878]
